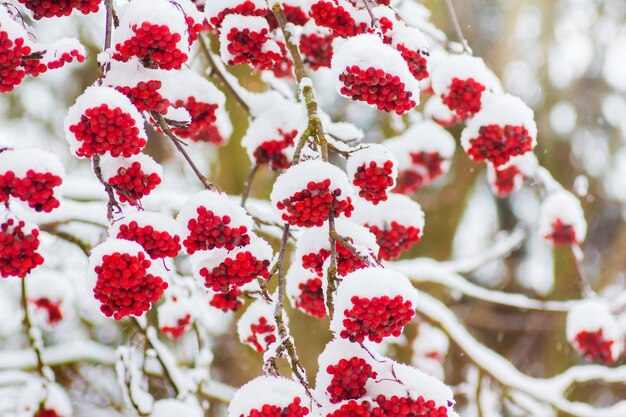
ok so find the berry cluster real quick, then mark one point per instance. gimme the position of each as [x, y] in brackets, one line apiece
[271, 152]
[247, 46]
[354, 408]
[157, 243]
[11, 70]
[506, 180]
[562, 234]
[244, 8]
[594, 347]
[497, 144]
[145, 96]
[464, 97]
[228, 301]
[18, 249]
[124, 284]
[394, 239]
[59, 8]
[395, 406]
[51, 308]
[65, 57]
[179, 329]
[155, 45]
[426, 168]
[317, 50]
[103, 129]
[262, 335]
[374, 86]
[338, 17]
[209, 231]
[203, 118]
[373, 180]
[234, 271]
[311, 298]
[376, 318]
[131, 183]
[349, 377]
[416, 60]
[36, 189]
[312, 206]
[347, 261]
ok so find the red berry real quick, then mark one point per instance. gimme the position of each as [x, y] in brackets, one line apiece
[157, 243]
[36, 188]
[317, 50]
[178, 330]
[310, 298]
[203, 118]
[145, 96]
[235, 270]
[395, 406]
[271, 152]
[337, 17]
[374, 180]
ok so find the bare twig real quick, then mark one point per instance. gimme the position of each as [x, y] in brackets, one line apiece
[215, 70]
[585, 287]
[248, 185]
[332, 268]
[457, 27]
[375, 23]
[346, 243]
[112, 202]
[168, 132]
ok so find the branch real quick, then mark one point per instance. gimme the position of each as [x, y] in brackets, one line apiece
[248, 185]
[34, 335]
[585, 287]
[177, 143]
[457, 27]
[112, 202]
[215, 70]
[551, 391]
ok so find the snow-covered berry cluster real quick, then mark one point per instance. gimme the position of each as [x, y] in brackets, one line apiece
[257, 327]
[124, 279]
[157, 233]
[562, 220]
[132, 178]
[176, 316]
[58, 8]
[18, 248]
[373, 171]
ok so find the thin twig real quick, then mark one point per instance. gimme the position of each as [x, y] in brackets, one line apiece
[28, 325]
[248, 185]
[375, 23]
[168, 132]
[346, 244]
[112, 202]
[457, 27]
[216, 71]
[585, 287]
[332, 268]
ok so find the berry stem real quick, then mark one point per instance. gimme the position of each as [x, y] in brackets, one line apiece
[332, 268]
[375, 23]
[457, 27]
[112, 203]
[168, 132]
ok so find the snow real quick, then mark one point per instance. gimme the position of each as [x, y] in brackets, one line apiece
[396, 379]
[36, 391]
[367, 51]
[14, 29]
[171, 311]
[372, 153]
[502, 110]
[220, 204]
[614, 69]
[412, 38]
[21, 160]
[437, 111]
[462, 67]
[256, 310]
[368, 283]
[591, 316]
[42, 283]
[181, 85]
[171, 407]
[131, 73]
[297, 177]
[565, 206]
[430, 340]
[61, 46]
[271, 390]
[156, 12]
[397, 208]
[110, 165]
[95, 96]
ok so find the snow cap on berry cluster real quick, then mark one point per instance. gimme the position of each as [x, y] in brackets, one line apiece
[509, 177]
[429, 350]
[265, 390]
[213, 9]
[109, 247]
[369, 283]
[373, 152]
[368, 51]
[131, 73]
[398, 208]
[54, 397]
[239, 23]
[563, 207]
[282, 115]
[501, 110]
[462, 67]
[437, 111]
[155, 12]
[592, 316]
[51, 295]
[411, 37]
[62, 50]
[95, 96]
[171, 407]
[220, 204]
[335, 351]
[404, 381]
[187, 83]
[22, 160]
[176, 315]
[256, 311]
[110, 165]
[297, 177]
